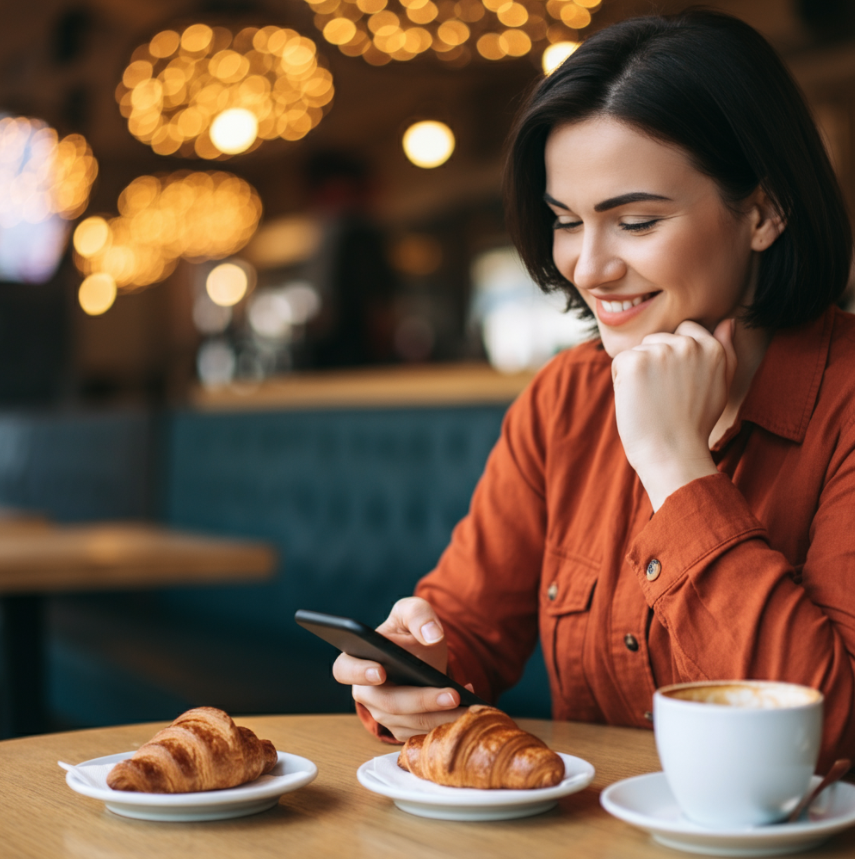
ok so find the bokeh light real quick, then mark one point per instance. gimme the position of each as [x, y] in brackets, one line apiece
[227, 284]
[91, 236]
[273, 313]
[190, 215]
[234, 130]
[555, 54]
[216, 363]
[209, 93]
[40, 174]
[97, 293]
[210, 318]
[428, 144]
[383, 30]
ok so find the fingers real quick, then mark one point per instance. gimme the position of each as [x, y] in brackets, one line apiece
[351, 671]
[404, 727]
[415, 616]
[406, 711]
[690, 336]
[693, 330]
[406, 700]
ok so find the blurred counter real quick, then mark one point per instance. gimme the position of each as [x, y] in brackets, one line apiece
[424, 385]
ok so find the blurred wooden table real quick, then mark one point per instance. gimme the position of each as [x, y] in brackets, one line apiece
[38, 561]
[334, 816]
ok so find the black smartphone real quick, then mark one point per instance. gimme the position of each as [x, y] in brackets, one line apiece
[357, 639]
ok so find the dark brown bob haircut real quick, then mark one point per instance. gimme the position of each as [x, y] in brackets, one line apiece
[713, 86]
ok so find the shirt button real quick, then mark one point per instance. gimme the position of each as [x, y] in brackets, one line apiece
[653, 570]
[630, 642]
[552, 593]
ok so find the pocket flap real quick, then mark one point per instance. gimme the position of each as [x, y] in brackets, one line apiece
[567, 583]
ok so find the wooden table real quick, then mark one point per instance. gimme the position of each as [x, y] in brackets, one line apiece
[332, 817]
[39, 561]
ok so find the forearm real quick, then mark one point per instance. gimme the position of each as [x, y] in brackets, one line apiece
[662, 479]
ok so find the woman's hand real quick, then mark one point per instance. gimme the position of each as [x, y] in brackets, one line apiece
[670, 392]
[404, 710]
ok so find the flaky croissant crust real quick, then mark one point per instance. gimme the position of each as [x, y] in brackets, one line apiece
[202, 749]
[485, 749]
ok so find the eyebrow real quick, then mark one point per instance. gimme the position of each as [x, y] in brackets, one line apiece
[613, 202]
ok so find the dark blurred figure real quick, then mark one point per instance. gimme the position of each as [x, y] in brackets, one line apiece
[351, 269]
[34, 342]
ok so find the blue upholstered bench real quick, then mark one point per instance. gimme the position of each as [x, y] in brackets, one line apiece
[360, 504]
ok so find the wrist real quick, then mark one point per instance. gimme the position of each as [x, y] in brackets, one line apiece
[663, 478]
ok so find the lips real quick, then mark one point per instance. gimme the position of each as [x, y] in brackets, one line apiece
[617, 311]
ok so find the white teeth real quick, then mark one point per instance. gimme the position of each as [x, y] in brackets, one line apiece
[618, 306]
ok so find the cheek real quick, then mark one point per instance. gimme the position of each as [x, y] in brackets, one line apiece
[696, 264]
[563, 254]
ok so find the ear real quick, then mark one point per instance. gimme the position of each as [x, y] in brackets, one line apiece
[767, 222]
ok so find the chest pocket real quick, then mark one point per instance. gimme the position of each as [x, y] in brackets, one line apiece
[566, 592]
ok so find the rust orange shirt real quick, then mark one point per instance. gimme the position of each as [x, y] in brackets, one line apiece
[755, 572]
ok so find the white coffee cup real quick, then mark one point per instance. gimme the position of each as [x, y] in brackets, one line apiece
[737, 753]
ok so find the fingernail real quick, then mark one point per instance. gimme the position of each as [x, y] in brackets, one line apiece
[431, 632]
[373, 675]
[446, 699]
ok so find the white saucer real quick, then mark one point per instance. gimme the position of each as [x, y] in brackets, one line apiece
[90, 779]
[426, 799]
[646, 801]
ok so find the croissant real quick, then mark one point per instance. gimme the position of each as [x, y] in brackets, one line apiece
[484, 748]
[202, 749]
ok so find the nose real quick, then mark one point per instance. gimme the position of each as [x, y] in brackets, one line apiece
[596, 263]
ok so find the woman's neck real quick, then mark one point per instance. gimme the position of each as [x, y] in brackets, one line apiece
[750, 345]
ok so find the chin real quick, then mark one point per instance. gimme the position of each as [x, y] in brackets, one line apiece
[614, 344]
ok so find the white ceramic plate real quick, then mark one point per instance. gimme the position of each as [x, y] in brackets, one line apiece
[646, 801]
[426, 799]
[290, 773]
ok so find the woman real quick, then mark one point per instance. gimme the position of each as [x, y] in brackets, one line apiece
[675, 501]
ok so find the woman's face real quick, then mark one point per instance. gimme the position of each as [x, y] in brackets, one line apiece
[642, 234]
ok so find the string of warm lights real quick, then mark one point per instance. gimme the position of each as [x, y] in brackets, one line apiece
[40, 174]
[384, 30]
[210, 93]
[196, 216]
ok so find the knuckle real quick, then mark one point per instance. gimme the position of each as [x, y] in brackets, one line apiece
[389, 702]
[410, 603]
[342, 669]
[424, 721]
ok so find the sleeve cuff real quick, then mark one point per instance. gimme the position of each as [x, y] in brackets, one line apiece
[374, 727]
[695, 524]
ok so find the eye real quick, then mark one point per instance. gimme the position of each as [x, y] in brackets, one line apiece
[558, 224]
[638, 228]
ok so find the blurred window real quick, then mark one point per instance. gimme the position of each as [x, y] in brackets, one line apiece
[522, 328]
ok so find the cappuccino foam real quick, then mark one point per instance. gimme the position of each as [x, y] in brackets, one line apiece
[757, 696]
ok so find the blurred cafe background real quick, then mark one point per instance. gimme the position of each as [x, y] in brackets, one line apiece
[255, 285]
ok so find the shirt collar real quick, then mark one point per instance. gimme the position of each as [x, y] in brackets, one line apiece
[783, 393]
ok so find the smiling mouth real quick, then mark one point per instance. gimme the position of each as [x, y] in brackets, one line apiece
[620, 306]
[619, 311]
